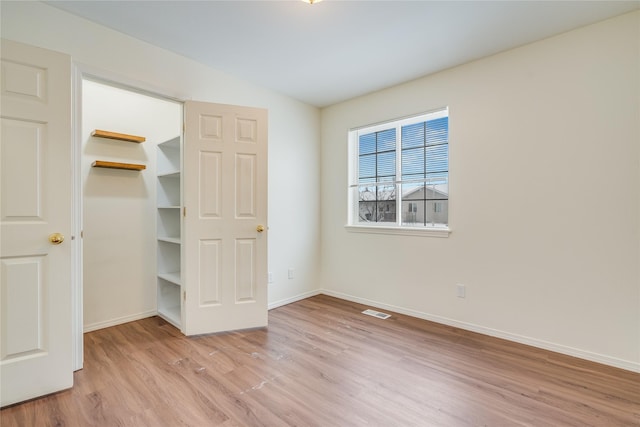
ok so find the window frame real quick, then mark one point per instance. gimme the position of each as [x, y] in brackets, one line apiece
[396, 228]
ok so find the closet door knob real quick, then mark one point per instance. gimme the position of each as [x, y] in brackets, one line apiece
[260, 228]
[56, 238]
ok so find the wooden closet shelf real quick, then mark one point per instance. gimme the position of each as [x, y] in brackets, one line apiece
[119, 136]
[116, 165]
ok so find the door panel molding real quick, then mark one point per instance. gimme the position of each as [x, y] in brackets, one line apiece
[225, 186]
[36, 198]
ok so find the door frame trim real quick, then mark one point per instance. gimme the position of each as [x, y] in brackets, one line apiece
[76, 219]
[79, 73]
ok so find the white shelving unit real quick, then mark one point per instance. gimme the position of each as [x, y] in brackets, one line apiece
[169, 231]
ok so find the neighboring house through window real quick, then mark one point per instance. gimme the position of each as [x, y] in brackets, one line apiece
[399, 175]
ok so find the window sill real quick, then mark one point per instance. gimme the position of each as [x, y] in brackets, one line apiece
[400, 231]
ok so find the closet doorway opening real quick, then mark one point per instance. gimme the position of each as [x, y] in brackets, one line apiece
[141, 253]
[119, 206]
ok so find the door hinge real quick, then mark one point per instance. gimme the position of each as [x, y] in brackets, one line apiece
[184, 296]
[184, 211]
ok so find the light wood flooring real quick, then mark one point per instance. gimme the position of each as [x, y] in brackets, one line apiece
[323, 363]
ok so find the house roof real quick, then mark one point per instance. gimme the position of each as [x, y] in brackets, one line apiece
[441, 190]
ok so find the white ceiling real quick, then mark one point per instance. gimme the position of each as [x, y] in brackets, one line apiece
[335, 50]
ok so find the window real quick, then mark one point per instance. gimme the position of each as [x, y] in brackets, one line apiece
[402, 166]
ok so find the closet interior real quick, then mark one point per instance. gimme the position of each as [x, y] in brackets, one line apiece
[131, 206]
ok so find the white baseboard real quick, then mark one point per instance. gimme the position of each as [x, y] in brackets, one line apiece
[118, 321]
[570, 351]
[558, 348]
[286, 301]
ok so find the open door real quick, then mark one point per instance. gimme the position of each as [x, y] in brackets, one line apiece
[225, 199]
[35, 223]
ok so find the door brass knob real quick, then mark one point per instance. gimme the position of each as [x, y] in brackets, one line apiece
[260, 228]
[56, 238]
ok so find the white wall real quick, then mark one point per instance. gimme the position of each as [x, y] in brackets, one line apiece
[119, 207]
[293, 126]
[545, 195]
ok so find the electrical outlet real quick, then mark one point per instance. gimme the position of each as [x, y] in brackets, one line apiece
[290, 273]
[270, 277]
[462, 290]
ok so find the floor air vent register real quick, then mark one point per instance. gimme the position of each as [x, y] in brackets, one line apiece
[377, 314]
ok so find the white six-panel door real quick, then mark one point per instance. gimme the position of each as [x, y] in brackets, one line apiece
[35, 202]
[225, 195]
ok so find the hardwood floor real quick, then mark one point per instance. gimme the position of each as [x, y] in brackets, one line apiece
[323, 363]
